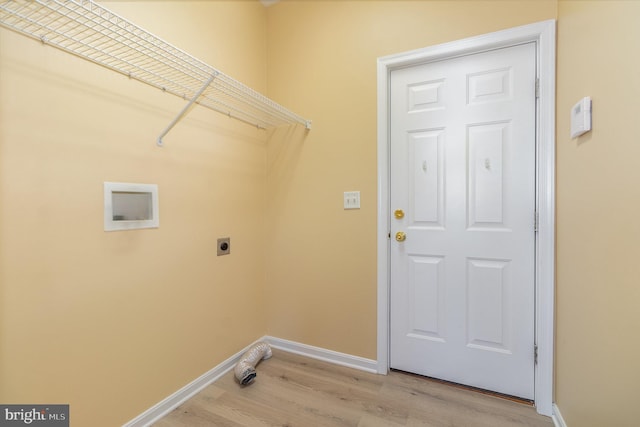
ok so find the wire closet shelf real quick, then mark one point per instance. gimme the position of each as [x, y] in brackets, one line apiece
[91, 32]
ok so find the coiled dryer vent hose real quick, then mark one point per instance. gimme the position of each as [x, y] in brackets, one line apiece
[245, 369]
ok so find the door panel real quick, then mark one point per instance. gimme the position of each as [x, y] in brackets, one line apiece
[462, 167]
[427, 169]
[488, 287]
[427, 298]
[486, 145]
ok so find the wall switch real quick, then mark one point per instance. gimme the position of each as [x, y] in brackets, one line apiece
[352, 200]
[581, 117]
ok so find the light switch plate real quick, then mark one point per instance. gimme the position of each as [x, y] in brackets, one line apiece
[581, 117]
[352, 200]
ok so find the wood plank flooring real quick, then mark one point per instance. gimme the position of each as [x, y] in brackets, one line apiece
[292, 390]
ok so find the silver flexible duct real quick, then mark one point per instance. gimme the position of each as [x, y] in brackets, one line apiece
[245, 370]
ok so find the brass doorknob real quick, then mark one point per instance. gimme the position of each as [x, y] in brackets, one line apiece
[401, 236]
[399, 214]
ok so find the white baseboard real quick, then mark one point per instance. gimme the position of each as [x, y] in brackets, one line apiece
[319, 353]
[558, 421]
[167, 405]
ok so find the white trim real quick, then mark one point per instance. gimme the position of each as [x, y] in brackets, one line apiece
[545, 245]
[544, 35]
[558, 421]
[325, 355]
[167, 405]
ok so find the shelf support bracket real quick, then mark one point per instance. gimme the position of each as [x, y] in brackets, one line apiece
[185, 109]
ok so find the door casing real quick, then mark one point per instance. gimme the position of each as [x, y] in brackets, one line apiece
[544, 35]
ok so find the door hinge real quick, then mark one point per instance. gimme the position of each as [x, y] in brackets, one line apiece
[535, 354]
[537, 88]
[536, 220]
[389, 235]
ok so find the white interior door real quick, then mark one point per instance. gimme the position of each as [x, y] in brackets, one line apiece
[462, 171]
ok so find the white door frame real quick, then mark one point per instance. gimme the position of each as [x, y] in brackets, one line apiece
[544, 35]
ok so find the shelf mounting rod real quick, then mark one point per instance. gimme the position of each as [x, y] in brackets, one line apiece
[185, 109]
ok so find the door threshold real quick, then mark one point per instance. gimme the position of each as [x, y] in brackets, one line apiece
[503, 396]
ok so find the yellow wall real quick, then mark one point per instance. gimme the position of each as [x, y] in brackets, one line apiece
[112, 323]
[598, 205]
[121, 320]
[321, 259]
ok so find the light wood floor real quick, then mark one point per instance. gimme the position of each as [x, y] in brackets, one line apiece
[292, 390]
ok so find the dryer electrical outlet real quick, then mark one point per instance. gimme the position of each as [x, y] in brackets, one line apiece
[224, 246]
